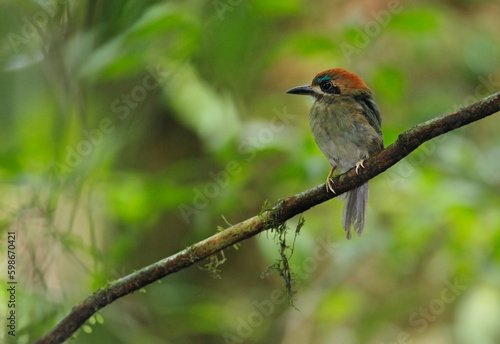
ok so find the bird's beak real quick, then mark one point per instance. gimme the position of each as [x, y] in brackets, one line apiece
[306, 89]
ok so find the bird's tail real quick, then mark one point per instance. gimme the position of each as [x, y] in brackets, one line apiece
[354, 210]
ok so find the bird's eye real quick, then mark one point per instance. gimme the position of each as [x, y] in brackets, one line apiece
[328, 87]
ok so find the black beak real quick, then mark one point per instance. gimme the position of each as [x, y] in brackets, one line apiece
[306, 89]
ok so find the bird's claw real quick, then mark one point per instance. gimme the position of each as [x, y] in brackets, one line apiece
[329, 181]
[358, 164]
[329, 185]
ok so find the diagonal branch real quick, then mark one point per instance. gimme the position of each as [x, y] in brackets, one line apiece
[284, 210]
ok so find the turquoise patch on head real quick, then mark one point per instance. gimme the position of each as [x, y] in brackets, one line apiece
[323, 78]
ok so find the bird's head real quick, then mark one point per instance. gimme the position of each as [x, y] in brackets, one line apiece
[333, 83]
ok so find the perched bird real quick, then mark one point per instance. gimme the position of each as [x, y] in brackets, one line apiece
[346, 125]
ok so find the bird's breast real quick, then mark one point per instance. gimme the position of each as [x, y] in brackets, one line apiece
[341, 132]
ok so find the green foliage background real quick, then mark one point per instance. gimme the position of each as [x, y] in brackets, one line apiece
[132, 129]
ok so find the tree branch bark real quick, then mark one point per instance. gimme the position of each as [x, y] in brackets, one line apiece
[407, 142]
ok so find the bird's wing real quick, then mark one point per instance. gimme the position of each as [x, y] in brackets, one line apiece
[371, 112]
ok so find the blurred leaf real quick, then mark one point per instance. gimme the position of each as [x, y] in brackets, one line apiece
[478, 315]
[171, 30]
[201, 108]
[307, 44]
[481, 54]
[276, 8]
[99, 318]
[339, 306]
[417, 19]
[390, 83]
[130, 199]
[174, 28]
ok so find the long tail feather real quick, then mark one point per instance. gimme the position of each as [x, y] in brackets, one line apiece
[355, 210]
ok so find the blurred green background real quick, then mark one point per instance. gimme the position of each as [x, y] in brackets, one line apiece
[132, 129]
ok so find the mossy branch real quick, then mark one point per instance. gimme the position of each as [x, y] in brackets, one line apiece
[277, 215]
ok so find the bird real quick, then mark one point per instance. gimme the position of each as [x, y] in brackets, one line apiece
[346, 124]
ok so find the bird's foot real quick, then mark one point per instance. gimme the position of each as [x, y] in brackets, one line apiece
[358, 164]
[329, 185]
[329, 182]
